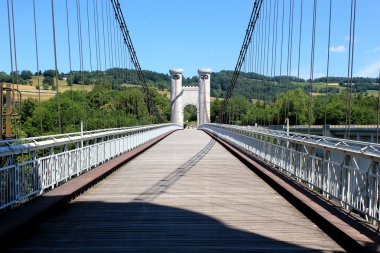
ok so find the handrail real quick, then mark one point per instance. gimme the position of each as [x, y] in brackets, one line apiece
[17, 146]
[350, 146]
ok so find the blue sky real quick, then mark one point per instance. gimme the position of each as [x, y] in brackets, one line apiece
[192, 34]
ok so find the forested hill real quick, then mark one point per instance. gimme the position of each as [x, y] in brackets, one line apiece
[251, 85]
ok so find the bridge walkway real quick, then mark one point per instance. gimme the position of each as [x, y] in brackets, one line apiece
[185, 194]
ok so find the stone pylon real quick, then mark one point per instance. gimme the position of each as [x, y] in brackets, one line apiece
[204, 95]
[176, 96]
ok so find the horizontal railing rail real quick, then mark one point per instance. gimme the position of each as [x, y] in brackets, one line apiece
[347, 171]
[41, 142]
[32, 166]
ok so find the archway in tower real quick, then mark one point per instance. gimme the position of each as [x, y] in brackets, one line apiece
[190, 116]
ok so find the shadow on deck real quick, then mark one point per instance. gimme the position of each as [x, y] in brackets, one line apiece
[142, 227]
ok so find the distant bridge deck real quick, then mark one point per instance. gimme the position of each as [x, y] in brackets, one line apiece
[187, 193]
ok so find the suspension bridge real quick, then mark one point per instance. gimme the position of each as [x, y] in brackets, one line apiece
[105, 169]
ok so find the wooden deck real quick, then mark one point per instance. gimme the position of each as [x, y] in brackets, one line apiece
[186, 194]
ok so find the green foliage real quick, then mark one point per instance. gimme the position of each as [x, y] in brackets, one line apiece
[162, 86]
[48, 80]
[26, 74]
[250, 85]
[190, 113]
[295, 105]
[329, 90]
[49, 73]
[100, 108]
[29, 105]
[342, 80]
[117, 76]
[4, 77]
[214, 109]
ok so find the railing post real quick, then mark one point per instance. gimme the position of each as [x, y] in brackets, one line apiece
[326, 177]
[373, 192]
[53, 166]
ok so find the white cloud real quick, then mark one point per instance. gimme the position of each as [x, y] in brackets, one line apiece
[371, 70]
[338, 49]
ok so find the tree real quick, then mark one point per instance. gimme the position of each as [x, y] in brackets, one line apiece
[49, 73]
[334, 108]
[214, 109]
[162, 86]
[4, 77]
[190, 113]
[295, 105]
[28, 107]
[236, 109]
[26, 74]
[48, 80]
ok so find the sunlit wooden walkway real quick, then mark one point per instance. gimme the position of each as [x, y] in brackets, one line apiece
[185, 194]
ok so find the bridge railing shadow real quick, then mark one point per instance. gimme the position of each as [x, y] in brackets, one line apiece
[165, 183]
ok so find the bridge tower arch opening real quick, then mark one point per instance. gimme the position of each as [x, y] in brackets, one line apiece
[190, 113]
[181, 96]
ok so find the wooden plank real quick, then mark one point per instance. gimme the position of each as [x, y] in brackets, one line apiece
[186, 194]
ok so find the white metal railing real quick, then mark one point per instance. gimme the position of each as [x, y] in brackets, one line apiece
[31, 166]
[347, 171]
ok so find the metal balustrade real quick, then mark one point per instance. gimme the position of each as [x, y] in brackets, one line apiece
[347, 171]
[32, 166]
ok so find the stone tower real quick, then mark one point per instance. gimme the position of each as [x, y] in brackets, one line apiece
[190, 95]
[176, 96]
[204, 95]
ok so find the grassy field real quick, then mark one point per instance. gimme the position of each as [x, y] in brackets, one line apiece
[341, 89]
[126, 85]
[62, 87]
[35, 96]
[323, 85]
[374, 93]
